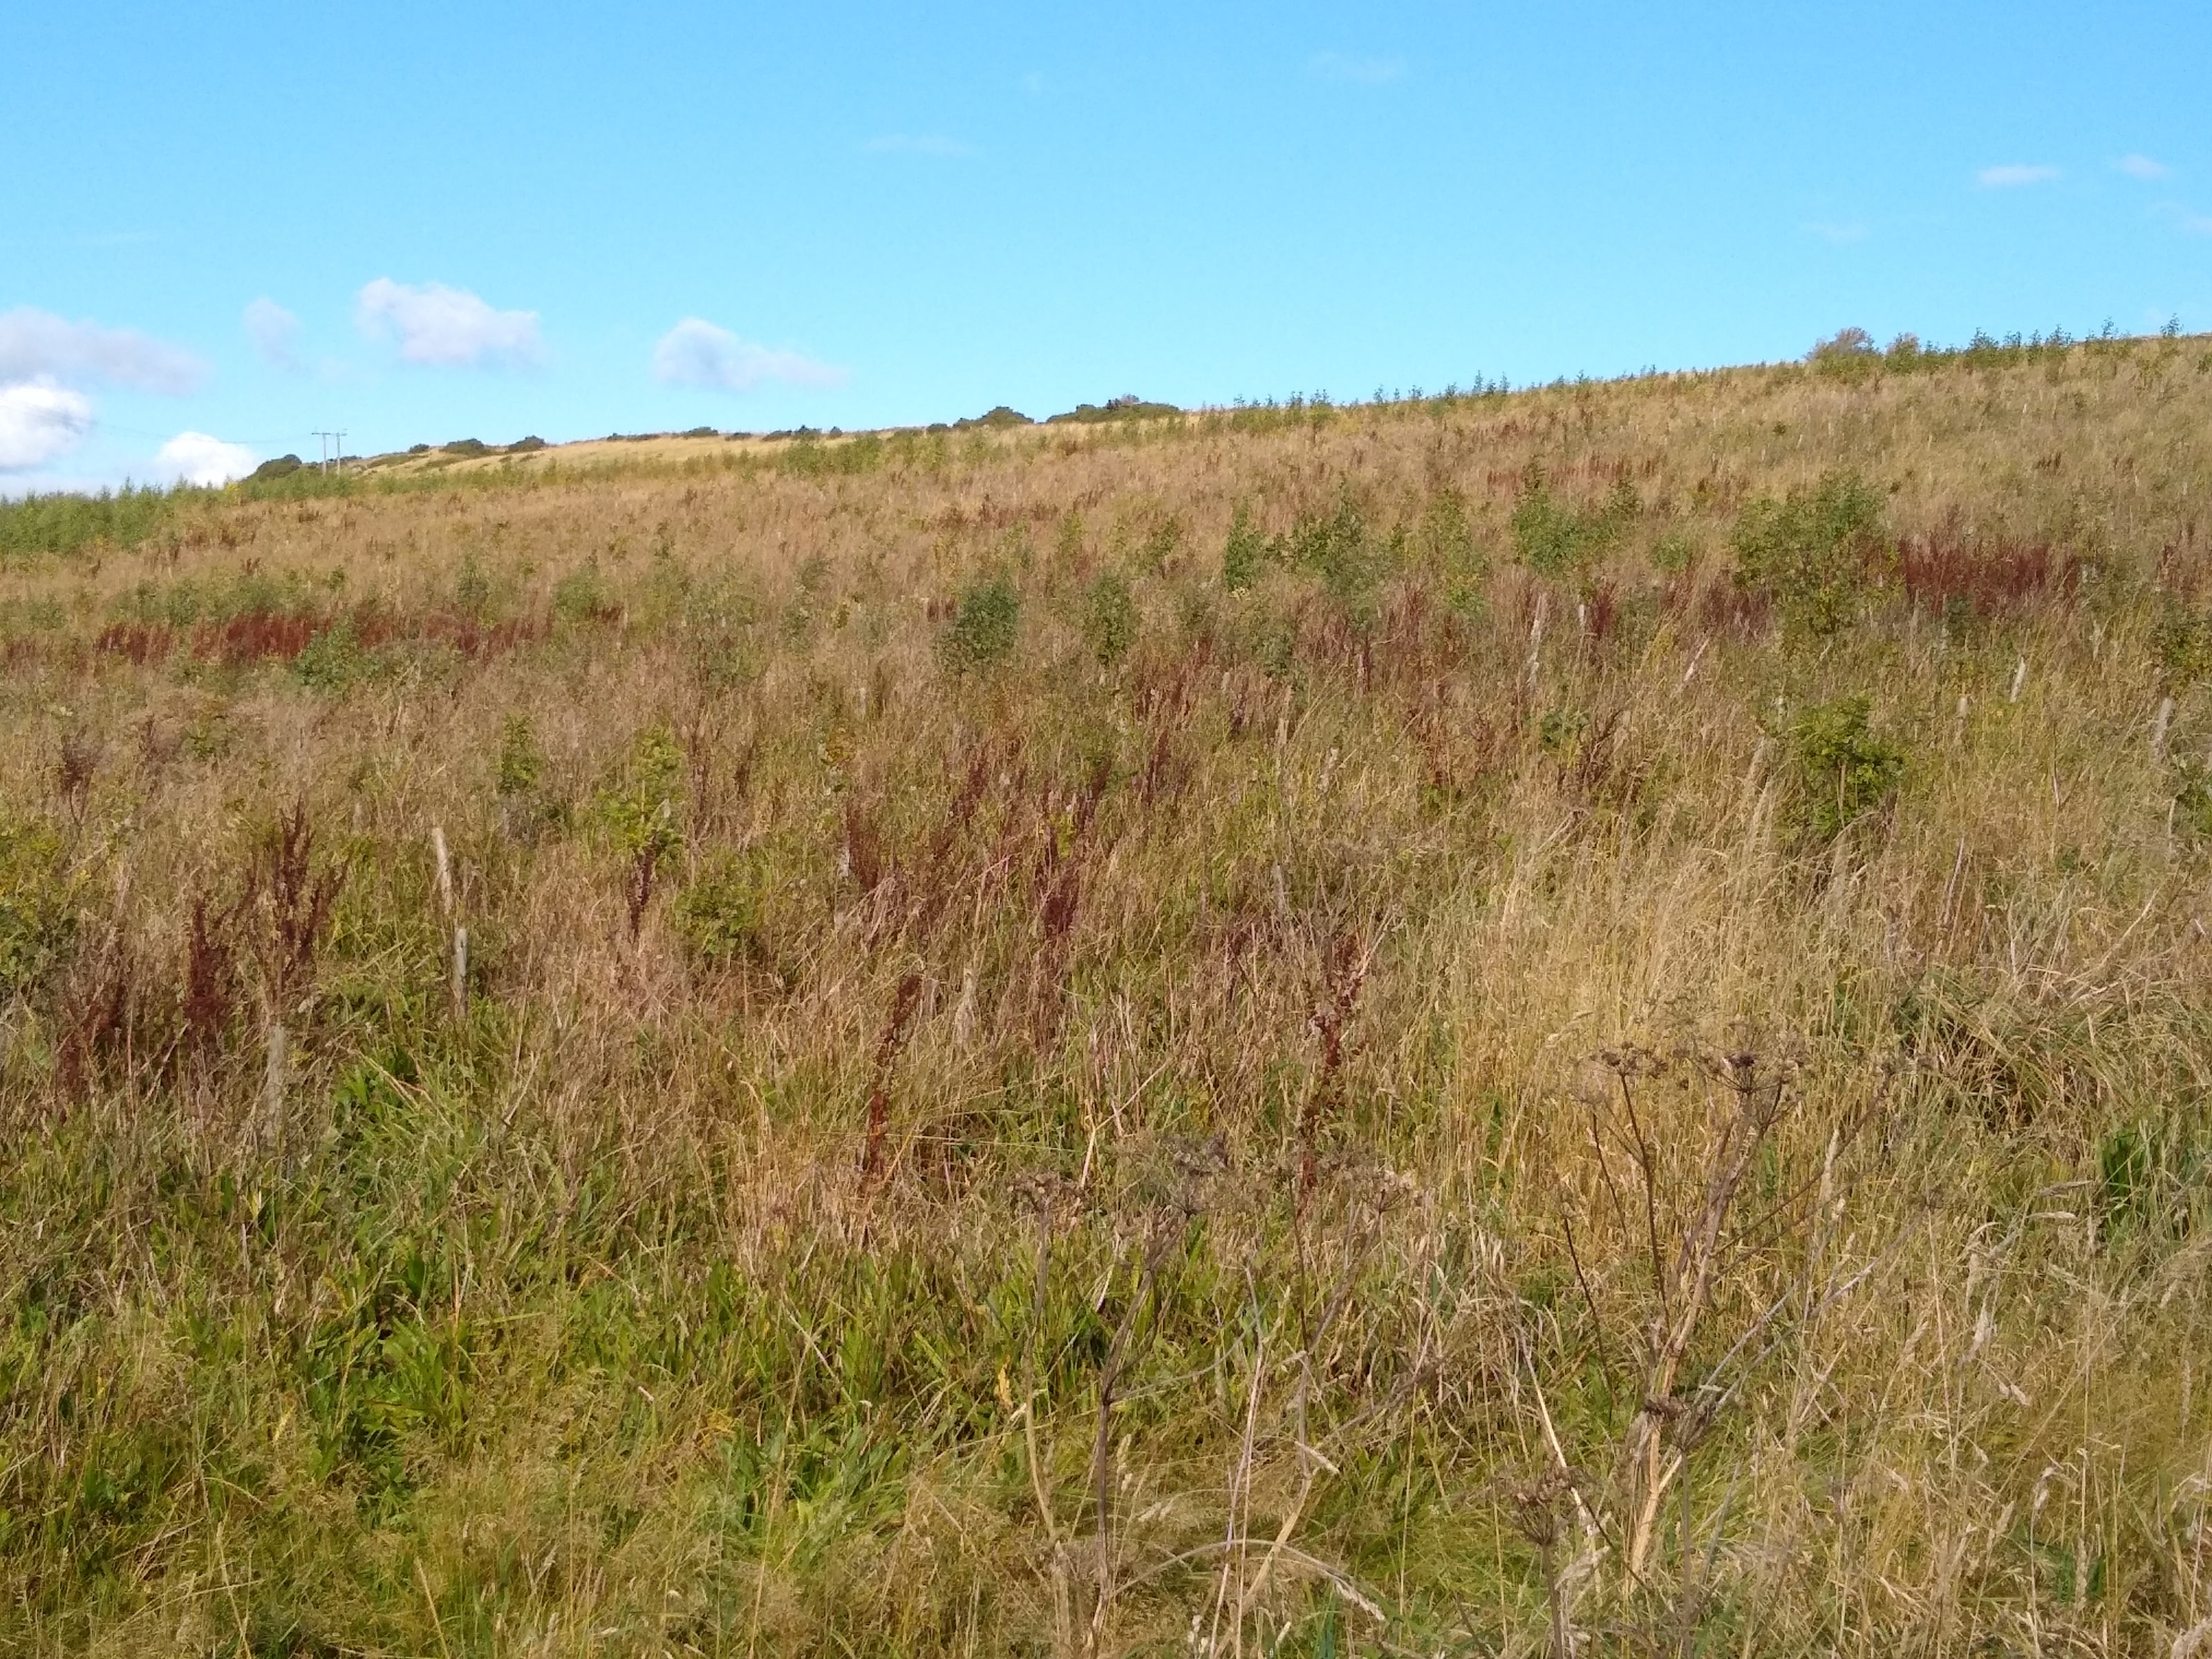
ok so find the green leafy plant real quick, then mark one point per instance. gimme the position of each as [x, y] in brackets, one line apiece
[333, 660]
[582, 596]
[719, 914]
[1109, 618]
[1842, 769]
[1245, 554]
[521, 762]
[1554, 538]
[1812, 552]
[38, 914]
[642, 813]
[1335, 546]
[2183, 640]
[986, 626]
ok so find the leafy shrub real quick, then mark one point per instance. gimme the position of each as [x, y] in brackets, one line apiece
[1674, 553]
[1447, 539]
[521, 762]
[582, 596]
[1811, 553]
[1129, 407]
[1847, 354]
[1245, 553]
[985, 627]
[1109, 618]
[526, 445]
[719, 914]
[640, 809]
[1841, 770]
[2192, 798]
[55, 524]
[468, 447]
[1003, 415]
[333, 659]
[1335, 547]
[283, 467]
[38, 917]
[1553, 537]
[1844, 343]
[472, 587]
[2183, 640]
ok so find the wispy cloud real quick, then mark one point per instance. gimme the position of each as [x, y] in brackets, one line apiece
[1361, 71]
[696, 353]
[2014, 174]
[2142, 166]
[1837, 235]
[195, 457]
[925, 143]
[275, 333]
[40, 422]
[447, 327]
[37, 343]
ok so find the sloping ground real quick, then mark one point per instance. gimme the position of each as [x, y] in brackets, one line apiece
[1571, 1017]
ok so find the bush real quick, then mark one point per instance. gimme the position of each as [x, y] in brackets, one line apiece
[1109, 618]
[582, 596]
[1554, 538]
[1003, 415]
[283, 467]
[985, 627]
[1811, 553]
[1841, 770]
[2183, 640]
[1129, 407]
[38, 919]
[63, 523]
[719, 914]
[521, 762]
[333, 659]
[1447, 541]
[1335, 547]
[1674, 553]
[1848, 353]
[1245, 553]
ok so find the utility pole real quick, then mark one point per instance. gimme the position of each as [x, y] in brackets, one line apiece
[326, 438]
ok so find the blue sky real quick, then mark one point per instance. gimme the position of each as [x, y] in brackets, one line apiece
[425, 222]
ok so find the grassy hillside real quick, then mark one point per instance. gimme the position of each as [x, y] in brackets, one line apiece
[1480, 1024]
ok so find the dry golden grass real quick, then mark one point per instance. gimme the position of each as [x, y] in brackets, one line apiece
[1360, 1112]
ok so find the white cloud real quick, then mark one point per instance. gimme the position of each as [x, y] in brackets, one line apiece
[1364, 71]
[2014, 174]
[449, 327]
[194, 458]
[37, 344]
[2142, 166]
[275, 333]
[928, 143]
[696, 353]
[40, 421]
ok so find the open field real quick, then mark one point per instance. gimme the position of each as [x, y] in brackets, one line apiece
[1570, 1020]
